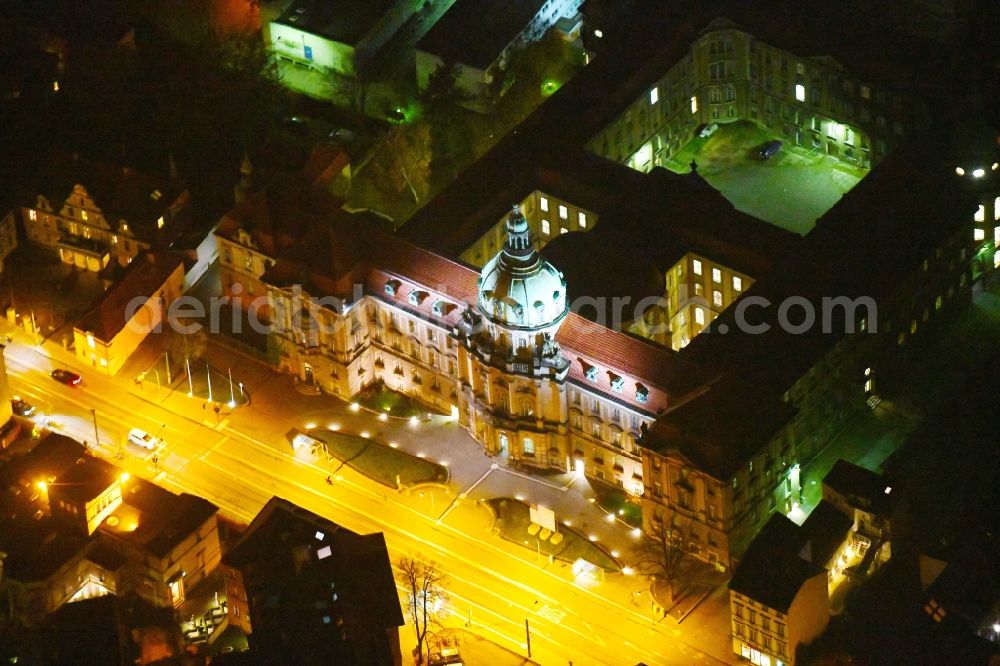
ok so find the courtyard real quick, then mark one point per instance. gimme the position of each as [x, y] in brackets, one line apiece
[791, 190]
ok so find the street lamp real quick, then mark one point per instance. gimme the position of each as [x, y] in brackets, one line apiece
[97, 437]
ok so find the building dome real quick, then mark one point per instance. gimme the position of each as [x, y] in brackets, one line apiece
[517, 288]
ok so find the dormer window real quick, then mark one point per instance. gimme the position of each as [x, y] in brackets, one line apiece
[439, 308]
[641, 394]
[591, 373]
[155, 195]
[417, 297]
[392, 287]
[617, 382]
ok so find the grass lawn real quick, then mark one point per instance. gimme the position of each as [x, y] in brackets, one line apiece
[613, 500]
[380, 462]
[513, 519]
[380, 398]
[791, 190]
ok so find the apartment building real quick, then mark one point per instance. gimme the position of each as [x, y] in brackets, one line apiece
[729, 75]
[91, 213]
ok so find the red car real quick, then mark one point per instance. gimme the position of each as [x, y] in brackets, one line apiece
[66, 377]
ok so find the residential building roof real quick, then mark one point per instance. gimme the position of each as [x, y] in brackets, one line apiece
[823, 532]
[475, 32]
[120, 193]
[143, 277]
[344, 21]
[770, 573]
[849, 480]
[357, 564]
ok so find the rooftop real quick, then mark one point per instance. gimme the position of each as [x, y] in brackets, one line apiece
[121, 194]
[358, 564]
[475, 32]
[849, 479]
[720, 428]
[823, 532]
[771, 573]
[344, 21]
[143, 277]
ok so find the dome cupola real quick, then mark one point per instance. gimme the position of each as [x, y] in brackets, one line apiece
[518, 290]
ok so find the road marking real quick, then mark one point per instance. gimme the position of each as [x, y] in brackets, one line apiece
[551, 614]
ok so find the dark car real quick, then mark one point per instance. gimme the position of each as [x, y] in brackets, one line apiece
[21, 408]
[769, 150]
[66, 377]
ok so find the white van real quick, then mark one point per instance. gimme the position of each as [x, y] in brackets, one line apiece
[141, 438]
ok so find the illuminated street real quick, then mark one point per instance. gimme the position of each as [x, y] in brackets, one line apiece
[489, 580]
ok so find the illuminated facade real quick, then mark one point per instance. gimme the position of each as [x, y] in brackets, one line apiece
[86, 529]
[547, 216]
[729, 75]
[104, 337]
[93, 213]
[534, 383]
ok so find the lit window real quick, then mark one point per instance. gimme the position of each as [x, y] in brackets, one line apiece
[699, 316]
[737, 284]
[697, 267]
[694, 104]
[529, 446]
[681, 318]
[996, 208]
[978, 234]
[544, 202]
[32, 215]
[55, 86]
[980, 214]
[83, 215]
[996, 236]
[563, 230]
[546, 229]
[598, 33]
[716, 275]
[717, 298]
[90, 340]
[800, 92]
[868, 386]
[654, 96]
[582, 217]
[324, 553]
[159, 223]
[563, 212]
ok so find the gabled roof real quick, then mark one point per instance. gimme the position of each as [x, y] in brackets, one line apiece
[121, 194]
[823, 532]
[771, 573]
[849, 479]
[143, 277]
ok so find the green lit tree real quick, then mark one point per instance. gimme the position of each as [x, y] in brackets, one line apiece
[402, 162]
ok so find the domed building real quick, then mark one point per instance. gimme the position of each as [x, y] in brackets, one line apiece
[522, 296]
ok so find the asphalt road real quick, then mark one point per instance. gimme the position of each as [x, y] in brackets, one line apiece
[495, 584]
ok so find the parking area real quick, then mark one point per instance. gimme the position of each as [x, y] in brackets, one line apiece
[792, 189]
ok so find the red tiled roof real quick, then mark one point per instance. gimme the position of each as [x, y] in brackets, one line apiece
[144, 276]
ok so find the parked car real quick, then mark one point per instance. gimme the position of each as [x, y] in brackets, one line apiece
[141, 438]
[706, 131]
[21, 408]
[769, 149]
[67, 377]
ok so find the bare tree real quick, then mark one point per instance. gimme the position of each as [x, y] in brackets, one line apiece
[661, 555]
[423, 582]
[403, 160]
